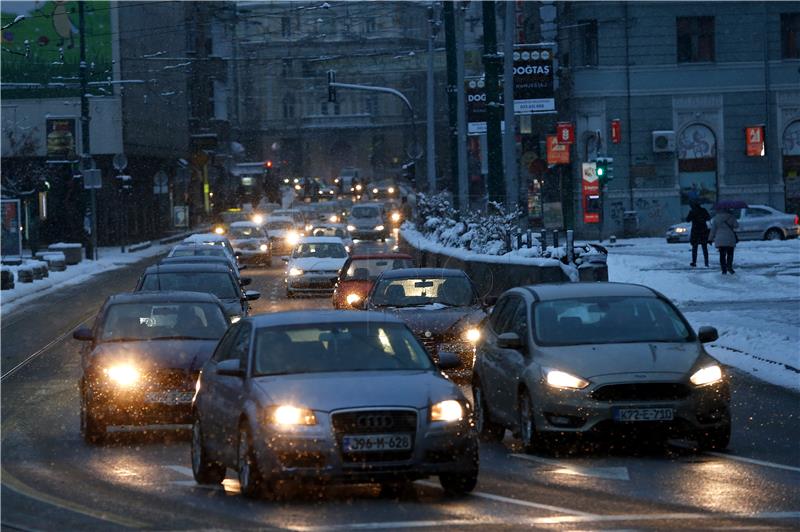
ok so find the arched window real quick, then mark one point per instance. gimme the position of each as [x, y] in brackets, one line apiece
[697, 165]
[790, 151]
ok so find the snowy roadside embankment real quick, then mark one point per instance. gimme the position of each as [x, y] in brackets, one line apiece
[756, 311]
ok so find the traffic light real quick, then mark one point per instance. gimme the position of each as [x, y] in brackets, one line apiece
[331, 88]
[605, 169]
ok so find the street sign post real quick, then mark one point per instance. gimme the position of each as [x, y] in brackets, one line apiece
[92, 179]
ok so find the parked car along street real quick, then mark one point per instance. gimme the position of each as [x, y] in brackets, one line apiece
[756, 222]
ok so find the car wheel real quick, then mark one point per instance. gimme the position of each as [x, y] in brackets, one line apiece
[462, 482]
[249, 475]
[527, 426]
[714, 439]
[205, 470]
[487, 429]
[93, 429]
[773, 234]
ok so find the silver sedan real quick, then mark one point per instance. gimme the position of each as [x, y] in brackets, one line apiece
[330, 395]
[756, 222]
[602, 358]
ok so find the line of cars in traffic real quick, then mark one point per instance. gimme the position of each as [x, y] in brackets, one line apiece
[372, 394]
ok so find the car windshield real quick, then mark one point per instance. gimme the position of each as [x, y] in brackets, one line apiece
[328, 231]
[370, 269]
[230, 217]
[280, 225]
[220, 284]
[208, 251]
[338, 347]
[162, 320]
[325, 250]
[608, 320]
[364, 212]
[419, 291]
[243, 232]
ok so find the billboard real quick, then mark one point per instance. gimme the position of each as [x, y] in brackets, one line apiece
[11, 238]
[44, 46]
[557, 153]
[590, 193]
[476, 106]
[533, 81]
[60, 134]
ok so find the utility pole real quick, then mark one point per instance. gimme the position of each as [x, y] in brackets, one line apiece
[452, 95]
[431, 140]
[86, 152]
[494, 141]
[509, 136]
[461, 113]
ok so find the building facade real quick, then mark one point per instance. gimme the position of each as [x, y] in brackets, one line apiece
[685, 80]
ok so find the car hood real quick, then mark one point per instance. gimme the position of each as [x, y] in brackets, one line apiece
[278, 233]
[315, 264]
[356, 286]
[155, 354]
[240, 241]
[685, 225]
[438, 319]
[589, 361]
[338, 390]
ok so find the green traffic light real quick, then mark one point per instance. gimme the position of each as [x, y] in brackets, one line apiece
[601, 171]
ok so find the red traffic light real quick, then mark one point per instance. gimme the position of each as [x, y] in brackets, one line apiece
[267, 164]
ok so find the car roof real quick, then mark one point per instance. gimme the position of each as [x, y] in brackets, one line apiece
[321, 240]
[422, 272]
[188, 267]
[164, 296]
[555, 291]
[244, 224]
[196, 259]
[306, 317]
[365, 256]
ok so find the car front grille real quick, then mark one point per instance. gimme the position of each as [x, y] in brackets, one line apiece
[642, 391]
[375, 422]
[171, 379]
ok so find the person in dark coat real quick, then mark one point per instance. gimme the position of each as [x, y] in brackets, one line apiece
[698, 236]
[723, 234]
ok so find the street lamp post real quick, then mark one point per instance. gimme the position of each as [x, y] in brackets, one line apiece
[86, 152]
[430, 130]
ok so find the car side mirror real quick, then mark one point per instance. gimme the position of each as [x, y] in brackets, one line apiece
[448, 360]
[707, 334]
[252, 295]
[244, 281]
[237, 254]
[83, 333]
[230, 368]
[489, 301]
[509, 340]
[285, 259]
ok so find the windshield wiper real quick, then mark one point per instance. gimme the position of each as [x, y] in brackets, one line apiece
[122, 339]
[180, 337]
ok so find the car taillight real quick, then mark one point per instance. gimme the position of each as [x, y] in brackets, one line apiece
[796, 220]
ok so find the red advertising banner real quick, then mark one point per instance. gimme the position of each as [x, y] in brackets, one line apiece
[557, 153]
[754, 136]
[616, 131]
[565, 132]
[591, 193]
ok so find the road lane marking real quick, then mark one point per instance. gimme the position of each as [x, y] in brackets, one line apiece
[755, 462]
[518, 502]
[609, 473]
[388, 525]
[15, 485]
[183, 470]
[228, 485]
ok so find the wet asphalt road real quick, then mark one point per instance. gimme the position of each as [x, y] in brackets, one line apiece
[52, 480]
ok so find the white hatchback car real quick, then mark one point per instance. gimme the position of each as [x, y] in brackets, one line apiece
[314, 265]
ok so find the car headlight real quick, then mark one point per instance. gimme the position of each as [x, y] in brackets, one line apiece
[379, 228]
[234, 319]
[124, 375]
[351, 228]
[449, 410]
[561, 379]
[347, 249]
[374, 190]
[219, 230]
[391, 190]
[352, 298]
[263, 247]
[707, 375]
[472, 335]
[334, 219]
[680, 229]
[257, 219]
[297, 187]
[309, 228]
[395, 216]
[294, 272]
[286, 180]
[359, 187]
[291, 416]
[292, 238]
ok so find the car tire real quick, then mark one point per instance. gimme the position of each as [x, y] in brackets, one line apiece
[774, 234]
[250, 481]
[204, 469]
[462, 482]
[487, 429]
[714, 439]
[531, 439]
[93, 429]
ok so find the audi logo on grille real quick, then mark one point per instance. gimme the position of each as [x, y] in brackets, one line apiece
[374, 421]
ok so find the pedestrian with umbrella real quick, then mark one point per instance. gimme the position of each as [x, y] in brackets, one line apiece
[698, 236]
[723, 233]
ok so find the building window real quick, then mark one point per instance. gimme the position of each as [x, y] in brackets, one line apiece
[288, 106]
[589, 42]
[324, 108]
[790, 35]
[370, 26]
[286, 68]
[695, 39]
[286, 26]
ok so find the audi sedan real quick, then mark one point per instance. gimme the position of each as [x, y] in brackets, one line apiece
[330, 395]
[585, 358]
[142, 358]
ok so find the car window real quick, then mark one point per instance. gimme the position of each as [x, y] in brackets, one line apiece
[224, 346]
[241, 346]
[370, 269]
[324, 250]
[221, 284]
[365, 212]
[519, 320]
[454, 291]
[754, 212]
[146, 321]
[503, 323]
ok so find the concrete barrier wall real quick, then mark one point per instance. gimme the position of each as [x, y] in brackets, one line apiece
[494, 278]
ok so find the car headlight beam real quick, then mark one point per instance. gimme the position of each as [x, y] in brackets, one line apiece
[292, 238]
[351, 228]
[124, 375]
[472, 335]
[561, 379]
[263, 247]
[294, 272]
[292, 416]
[379, 228]
[448, 411]
[707, 375]
[395, 216]
[352, 298]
